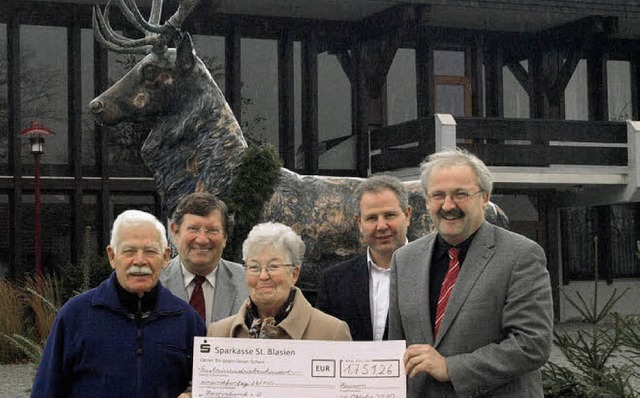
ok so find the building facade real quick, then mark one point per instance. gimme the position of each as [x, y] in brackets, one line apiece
[541, 91]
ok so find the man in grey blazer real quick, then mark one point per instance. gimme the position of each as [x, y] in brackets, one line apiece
[490, 330]
[200, 227]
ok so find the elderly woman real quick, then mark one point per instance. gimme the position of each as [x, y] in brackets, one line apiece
[276, 309]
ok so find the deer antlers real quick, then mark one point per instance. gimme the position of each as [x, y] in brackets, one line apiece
[156, 36]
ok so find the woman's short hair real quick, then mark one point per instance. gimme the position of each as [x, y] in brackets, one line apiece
[277, 236]
[456, 157]
[130, 218]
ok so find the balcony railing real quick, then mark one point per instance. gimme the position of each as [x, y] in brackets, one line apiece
[600, 158]
[502, 142]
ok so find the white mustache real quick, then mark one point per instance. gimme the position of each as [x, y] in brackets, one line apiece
[143, 270]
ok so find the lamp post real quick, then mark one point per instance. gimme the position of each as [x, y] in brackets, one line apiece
[36, 133]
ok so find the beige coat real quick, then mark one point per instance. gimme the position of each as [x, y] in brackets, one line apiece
[303, 323]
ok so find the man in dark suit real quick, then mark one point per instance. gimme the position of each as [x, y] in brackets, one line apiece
[199, 275]
[357, 291]
[472, 300]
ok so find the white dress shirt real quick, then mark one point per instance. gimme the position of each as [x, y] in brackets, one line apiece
[208, 288]
[379, 283]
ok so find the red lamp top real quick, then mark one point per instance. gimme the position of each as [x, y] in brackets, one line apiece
[36, 129]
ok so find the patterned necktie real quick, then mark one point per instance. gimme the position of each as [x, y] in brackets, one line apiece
[197, 297]
[447, 286]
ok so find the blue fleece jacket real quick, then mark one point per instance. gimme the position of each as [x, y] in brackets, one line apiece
[99, 348]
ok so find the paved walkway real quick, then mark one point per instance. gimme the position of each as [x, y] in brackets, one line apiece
[16, 380]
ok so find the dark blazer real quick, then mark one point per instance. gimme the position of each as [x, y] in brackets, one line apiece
[497, 329]
[344, 294]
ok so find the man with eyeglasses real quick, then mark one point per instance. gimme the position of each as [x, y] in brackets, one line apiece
[199, 275]
[357, 290]
[472, 300]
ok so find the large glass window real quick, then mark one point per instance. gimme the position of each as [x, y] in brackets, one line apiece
[619, 90]
[453, 82]
[516, 99]
[617, 229]
[401, 88]
[210, 49]
[120, 203]
[55, 233]
[337, 150]
[259, 72]
[125, 139]
[576, 103]
[43, 82]
[92, 226]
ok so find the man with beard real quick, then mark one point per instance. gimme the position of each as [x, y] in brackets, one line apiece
[216, 288]
[472, 300]
[357, 290]
[129, 337]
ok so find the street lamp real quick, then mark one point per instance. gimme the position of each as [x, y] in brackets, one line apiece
[36, 133]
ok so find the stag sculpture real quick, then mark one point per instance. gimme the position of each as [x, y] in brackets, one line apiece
[196, 143]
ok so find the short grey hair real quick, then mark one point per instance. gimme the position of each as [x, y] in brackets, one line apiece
[379, 183]
[277, 236]
[456, 157]
[135, 218]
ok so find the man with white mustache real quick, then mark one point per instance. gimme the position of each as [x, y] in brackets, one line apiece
[472, 300]
[129, 336]
[215, 287]
[357, 290]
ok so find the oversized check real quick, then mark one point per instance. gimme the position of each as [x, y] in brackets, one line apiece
[225, 367]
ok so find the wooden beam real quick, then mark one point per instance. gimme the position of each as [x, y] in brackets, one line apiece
[233, 73]
[377, 57]
[477, 78]
[553, 98]
[597, 57]
[362, 115]
[286, 114]
[424, 76]
[635, 83]
[399, 19]
[521, 75]
[74, 112]
[310, 104]
[537, 83]
[573, 56]
[100, 83]
[347, 64]
[494, 86]
[577, 31]
[16, 225]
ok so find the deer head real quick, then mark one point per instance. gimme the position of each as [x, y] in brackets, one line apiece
[147, 89]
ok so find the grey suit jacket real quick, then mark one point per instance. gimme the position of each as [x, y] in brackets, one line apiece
[230, 291]
[497, 329]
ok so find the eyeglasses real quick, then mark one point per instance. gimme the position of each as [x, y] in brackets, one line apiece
[457, 196]
[272, 269]
[210, 232]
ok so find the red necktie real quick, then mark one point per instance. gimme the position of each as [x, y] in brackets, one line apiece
[197, 297]
[447, 286]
